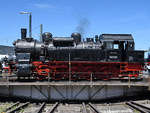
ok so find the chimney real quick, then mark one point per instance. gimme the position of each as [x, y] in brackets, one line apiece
[23, 33]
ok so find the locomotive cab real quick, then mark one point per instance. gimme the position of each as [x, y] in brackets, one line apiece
[121, 47]
[117, 41]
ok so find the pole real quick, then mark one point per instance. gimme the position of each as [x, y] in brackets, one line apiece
[69, 69]
[91, 79]
[41, 31]
[30, 25]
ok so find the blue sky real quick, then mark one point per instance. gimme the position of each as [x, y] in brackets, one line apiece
[62, 17]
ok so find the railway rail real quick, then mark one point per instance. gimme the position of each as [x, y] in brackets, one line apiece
[84, 108]
[139, 107]
[124, 107]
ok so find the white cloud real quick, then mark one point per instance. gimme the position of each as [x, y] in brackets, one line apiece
[41, 5]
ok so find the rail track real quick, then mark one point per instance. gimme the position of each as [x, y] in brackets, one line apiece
[139, 107]
[27, 107]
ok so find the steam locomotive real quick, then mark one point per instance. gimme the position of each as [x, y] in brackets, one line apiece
[103, 57]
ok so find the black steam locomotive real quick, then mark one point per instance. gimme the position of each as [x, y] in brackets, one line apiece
[104, 57]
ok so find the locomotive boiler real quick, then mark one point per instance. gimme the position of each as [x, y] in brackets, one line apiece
[103, 57]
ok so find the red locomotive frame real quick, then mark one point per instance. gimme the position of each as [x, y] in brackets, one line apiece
[78, 70]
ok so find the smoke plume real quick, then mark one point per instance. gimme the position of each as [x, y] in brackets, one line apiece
[83, 26]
